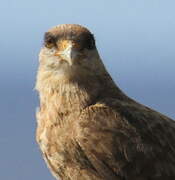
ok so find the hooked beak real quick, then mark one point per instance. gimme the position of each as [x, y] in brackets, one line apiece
[67, 51]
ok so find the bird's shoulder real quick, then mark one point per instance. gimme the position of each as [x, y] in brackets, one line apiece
[128, 134]
[115, 113]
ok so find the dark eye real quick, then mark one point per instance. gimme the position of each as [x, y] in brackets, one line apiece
[49, 40]
[86, 41]
[90, 42]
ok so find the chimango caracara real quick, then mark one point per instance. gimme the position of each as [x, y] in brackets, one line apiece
[88, 129]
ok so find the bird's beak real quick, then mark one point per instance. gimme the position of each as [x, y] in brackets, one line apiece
[67, 51]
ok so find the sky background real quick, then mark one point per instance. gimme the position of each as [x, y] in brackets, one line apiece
[136, 40]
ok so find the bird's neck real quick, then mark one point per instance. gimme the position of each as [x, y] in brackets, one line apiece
[68, 95]
[64, 94]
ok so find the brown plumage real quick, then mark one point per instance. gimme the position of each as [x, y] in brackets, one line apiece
[88, 129]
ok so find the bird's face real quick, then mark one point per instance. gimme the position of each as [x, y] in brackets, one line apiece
[69, 49]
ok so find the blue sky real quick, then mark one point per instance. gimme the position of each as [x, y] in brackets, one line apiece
[136, 40]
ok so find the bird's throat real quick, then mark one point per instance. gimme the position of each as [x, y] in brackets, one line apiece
[65, 94]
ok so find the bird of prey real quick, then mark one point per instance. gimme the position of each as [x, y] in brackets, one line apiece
[87, 128]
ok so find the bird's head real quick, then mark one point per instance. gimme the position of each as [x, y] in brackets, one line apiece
[70, 49]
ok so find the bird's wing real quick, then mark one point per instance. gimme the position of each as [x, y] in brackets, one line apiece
[126, 142]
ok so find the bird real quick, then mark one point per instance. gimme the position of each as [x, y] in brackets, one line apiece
[87, 127]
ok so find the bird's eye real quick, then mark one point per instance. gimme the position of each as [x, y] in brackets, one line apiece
[49, 40]
[86, 41]
[90, 44]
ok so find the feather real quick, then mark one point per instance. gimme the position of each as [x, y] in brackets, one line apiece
[87, 128]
